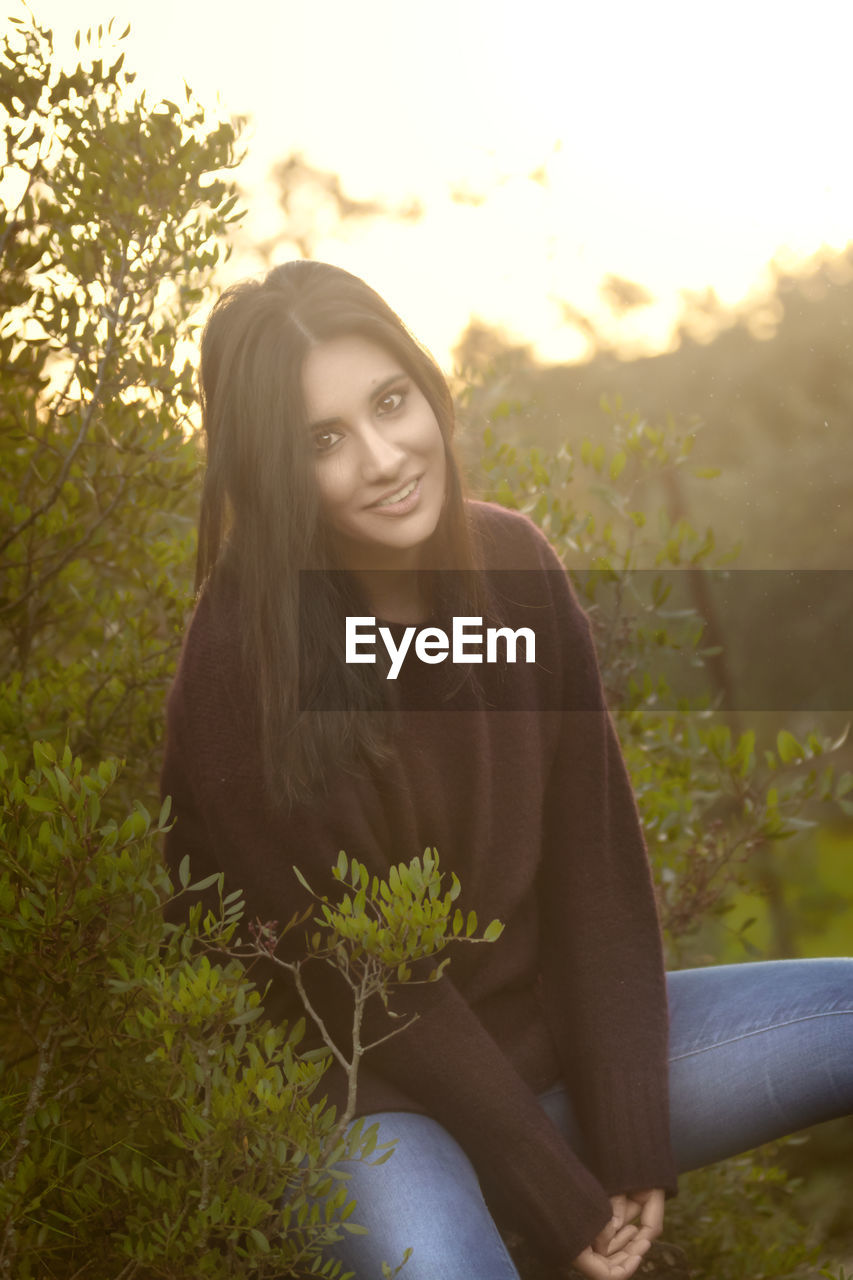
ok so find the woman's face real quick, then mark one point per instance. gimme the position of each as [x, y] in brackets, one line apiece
[379, 453]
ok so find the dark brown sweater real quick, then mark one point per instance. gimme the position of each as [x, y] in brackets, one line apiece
[532, 808]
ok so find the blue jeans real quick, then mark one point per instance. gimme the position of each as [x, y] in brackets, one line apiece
[756, 1051]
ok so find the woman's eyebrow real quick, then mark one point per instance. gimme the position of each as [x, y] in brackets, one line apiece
[322, 423]
[387, 382]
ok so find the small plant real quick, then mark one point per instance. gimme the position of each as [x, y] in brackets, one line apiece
[374, 936]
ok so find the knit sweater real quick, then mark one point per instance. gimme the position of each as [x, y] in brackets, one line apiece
[521, 788]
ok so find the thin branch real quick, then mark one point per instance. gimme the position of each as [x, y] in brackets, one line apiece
[129, 1271]
[357, 1051]
[69, 555]
[295, 970]
[396, 1031]
[204, 1194]
[46, 1055]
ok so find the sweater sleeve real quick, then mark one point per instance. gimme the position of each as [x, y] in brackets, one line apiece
[603, 980]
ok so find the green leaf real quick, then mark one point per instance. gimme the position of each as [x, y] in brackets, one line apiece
[43, 754]
[788, 747]
[617, 464]
[300, 877]
[134, 826]
[40, 804]
[371, 1138]
[248, 1015]
[844, 786]
[199, 885]
[260, 1239]
[296, 1032]
[493, 931]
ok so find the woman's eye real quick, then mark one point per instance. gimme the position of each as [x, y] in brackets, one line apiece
[391, 401]
[324, 440]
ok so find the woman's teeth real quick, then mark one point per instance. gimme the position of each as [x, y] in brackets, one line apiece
[398, 496]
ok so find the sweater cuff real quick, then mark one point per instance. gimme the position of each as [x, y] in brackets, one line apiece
[525, 1165]
[625, 1125]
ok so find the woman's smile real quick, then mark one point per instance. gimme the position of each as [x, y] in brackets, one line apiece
[398, 502]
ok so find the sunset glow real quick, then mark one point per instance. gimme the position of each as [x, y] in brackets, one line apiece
[549, 146]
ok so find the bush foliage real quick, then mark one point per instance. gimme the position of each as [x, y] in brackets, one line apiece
[155, 1124]
[714, 800]
[116, 219]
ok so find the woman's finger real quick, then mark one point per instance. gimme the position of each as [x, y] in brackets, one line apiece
[622, 1239]
[601, 1244]
[603, 1241]
[651, 1217]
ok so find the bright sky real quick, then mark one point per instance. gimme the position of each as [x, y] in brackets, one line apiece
[683, 144]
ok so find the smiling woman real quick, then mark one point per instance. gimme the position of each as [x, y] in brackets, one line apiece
[543, 1078]
[320, 411]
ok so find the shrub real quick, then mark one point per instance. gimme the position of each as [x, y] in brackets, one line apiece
[154, 1124]
[116, 214]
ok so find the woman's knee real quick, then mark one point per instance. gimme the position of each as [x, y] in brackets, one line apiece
[426, 1198]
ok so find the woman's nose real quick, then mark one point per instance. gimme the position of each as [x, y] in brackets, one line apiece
[380, 457]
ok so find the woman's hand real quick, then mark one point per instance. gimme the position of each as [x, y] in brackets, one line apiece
[618, 1250]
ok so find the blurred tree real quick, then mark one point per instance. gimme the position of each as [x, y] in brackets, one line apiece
[715, 806]
[315, 205]
[623, 295]
[771, 380]
[775, 413]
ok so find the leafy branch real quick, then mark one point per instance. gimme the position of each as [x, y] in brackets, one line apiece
[376, 937]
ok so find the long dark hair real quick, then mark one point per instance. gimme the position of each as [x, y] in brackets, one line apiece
[260, 523]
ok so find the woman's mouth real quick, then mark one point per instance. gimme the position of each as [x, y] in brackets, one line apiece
[402, 500]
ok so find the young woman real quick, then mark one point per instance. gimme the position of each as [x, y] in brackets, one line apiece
[558, 1075]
